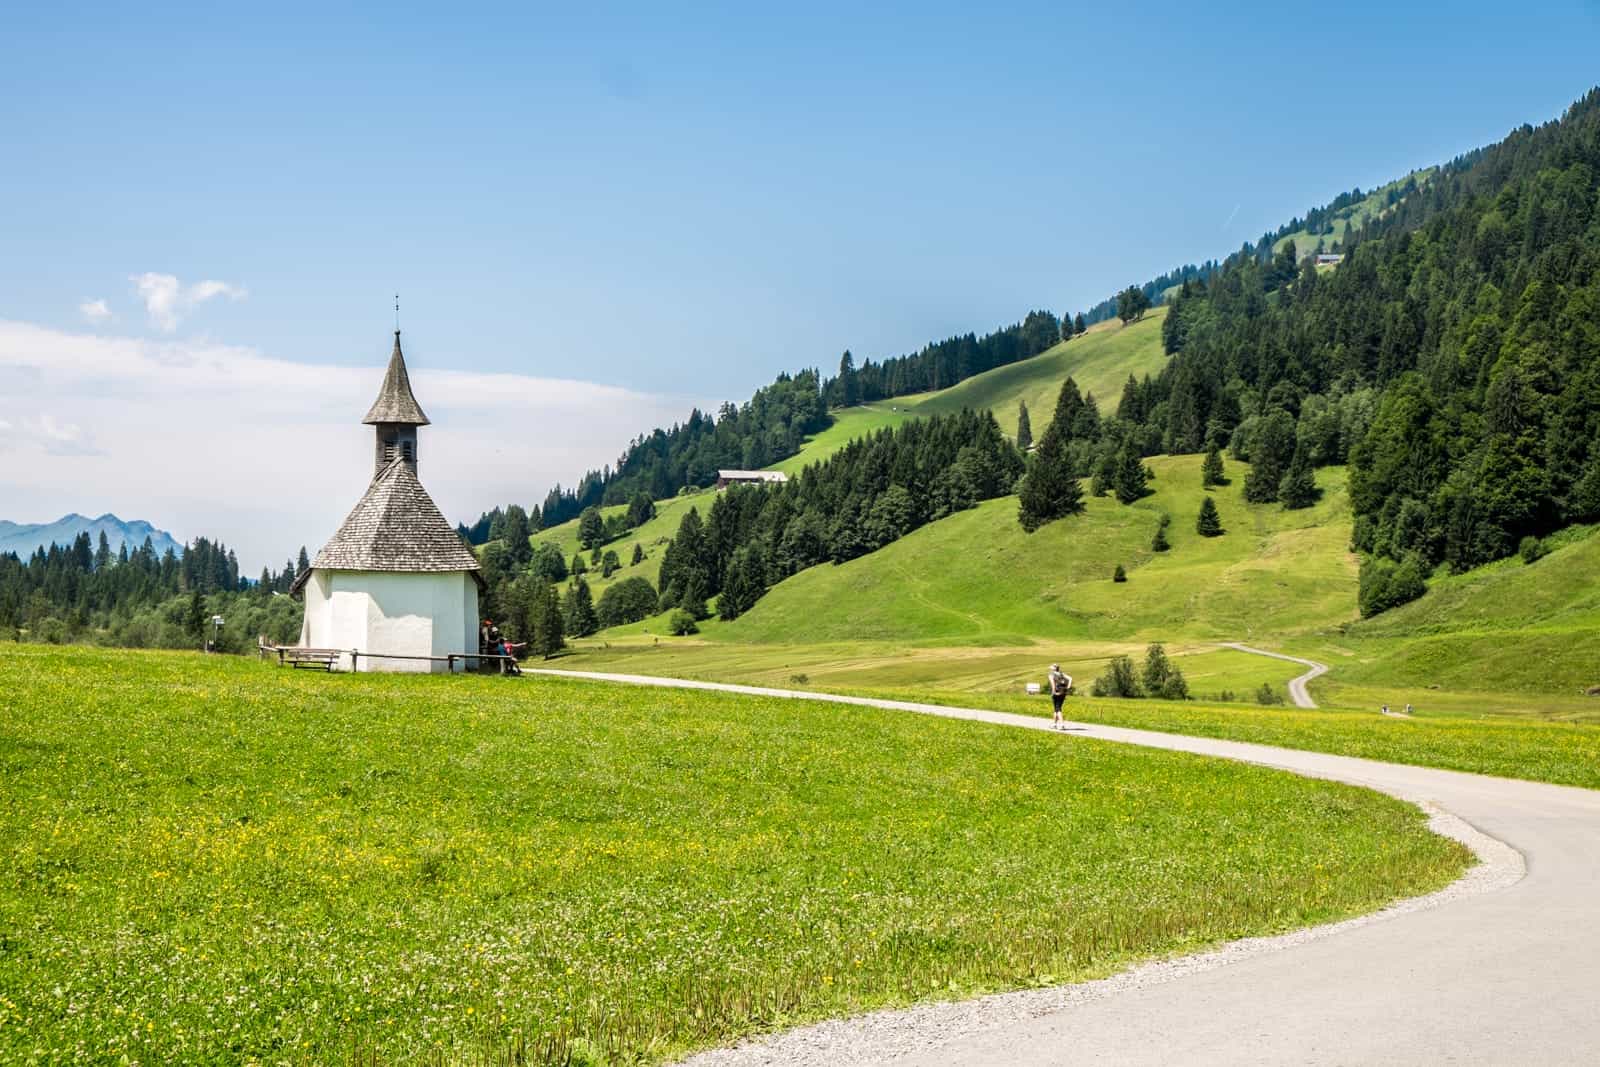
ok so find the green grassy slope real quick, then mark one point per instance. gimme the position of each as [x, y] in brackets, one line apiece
[849, 424]
[977, 577]
[652, 537]
[1508, 627]
[1099, 361]
[209, 860]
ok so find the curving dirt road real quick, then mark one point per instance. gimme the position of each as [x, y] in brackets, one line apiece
[1297, 685]
[1502, 971]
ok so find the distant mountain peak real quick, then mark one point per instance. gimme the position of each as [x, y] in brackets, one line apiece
[26, 538]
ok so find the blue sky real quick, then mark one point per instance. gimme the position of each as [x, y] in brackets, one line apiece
[684, 202]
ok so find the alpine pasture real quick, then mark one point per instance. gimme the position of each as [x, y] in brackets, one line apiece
[209, 859]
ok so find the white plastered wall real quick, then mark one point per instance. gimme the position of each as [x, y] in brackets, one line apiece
[392, 612]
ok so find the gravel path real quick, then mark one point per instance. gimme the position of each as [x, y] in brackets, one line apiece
[1499, 967]
[1297, 686]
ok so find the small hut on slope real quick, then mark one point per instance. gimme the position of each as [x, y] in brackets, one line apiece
[395, 580]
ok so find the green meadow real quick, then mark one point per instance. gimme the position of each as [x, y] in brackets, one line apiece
[213, 860]
[1099, 361]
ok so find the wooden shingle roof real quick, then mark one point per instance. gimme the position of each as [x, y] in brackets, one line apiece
[395, 404]
[395, 526]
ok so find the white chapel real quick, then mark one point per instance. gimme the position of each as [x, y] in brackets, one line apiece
[395, 584]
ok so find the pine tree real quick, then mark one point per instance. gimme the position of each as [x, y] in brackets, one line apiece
[1024, 428]
[1159, 542]
[1131, 477]
[694, 595]
[1119, 575]
[545, 619]
[1298, 489]
[1211, 473]
[577, 610]
[515, 534]
[1078, 324]
[591, 527]
[577, 566]
[1270, 453]
[1105, 473]
[1068, 403]
[302, 564]
[1209, 524]
[102, 554]
[1051, 490]
[638, 554]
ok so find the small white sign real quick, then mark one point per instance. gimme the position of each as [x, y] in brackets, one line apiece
[1034, 689]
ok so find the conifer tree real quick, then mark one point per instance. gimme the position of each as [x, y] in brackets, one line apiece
[1119, 575]
[1105, 473]
[1159, 542]
[545, 619]
[1162, 678]
[577, 610]
[638, 554]
[591, 527]
[1024, 428]
[1130, 478]
[1209, 524]
[1211, 473]
[303, 564]
[1068, 403]
[1298, 489]
[1050, 490]
[1078, 324]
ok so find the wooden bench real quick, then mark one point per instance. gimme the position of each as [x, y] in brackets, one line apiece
[319, 659]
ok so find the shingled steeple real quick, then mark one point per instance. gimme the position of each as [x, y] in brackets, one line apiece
[395, 414]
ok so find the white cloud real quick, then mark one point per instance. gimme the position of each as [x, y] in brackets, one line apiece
[96, 311]
[268, 454]
[167, 300]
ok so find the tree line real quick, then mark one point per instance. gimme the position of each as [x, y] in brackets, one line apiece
[138, 598]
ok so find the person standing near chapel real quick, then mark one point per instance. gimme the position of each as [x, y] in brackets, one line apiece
[1060, 686]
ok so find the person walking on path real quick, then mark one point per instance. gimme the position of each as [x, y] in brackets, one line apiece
[1060, 686]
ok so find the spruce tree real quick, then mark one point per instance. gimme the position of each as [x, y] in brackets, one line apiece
[303, 564]
[577, 610]
[1270, 453]
[1078, 324]
[1209, 524]
[694, 595]
[1211, 473]
[1298, 489]
[1051, 490]
[1130, 477]
[1024, 428]
[638, 554]
[1068, 403]
[591, 527]
[545, 619]
[1119, 575]
[1105, 473]
[1159, 542]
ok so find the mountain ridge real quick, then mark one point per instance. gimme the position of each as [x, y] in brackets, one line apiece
[25, 538]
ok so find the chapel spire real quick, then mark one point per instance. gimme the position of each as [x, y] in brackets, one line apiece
[395, 405]
[395, 415]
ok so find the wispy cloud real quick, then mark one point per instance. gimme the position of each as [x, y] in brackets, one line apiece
[96, 311]
[167, 300]
[267, 453]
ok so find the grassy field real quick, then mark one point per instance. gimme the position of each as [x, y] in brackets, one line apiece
[1099, 361]
[849, 424]
[652, 537]
[207, 859]
[976, 578]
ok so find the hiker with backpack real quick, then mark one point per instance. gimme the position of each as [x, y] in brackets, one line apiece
[1060, 686]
